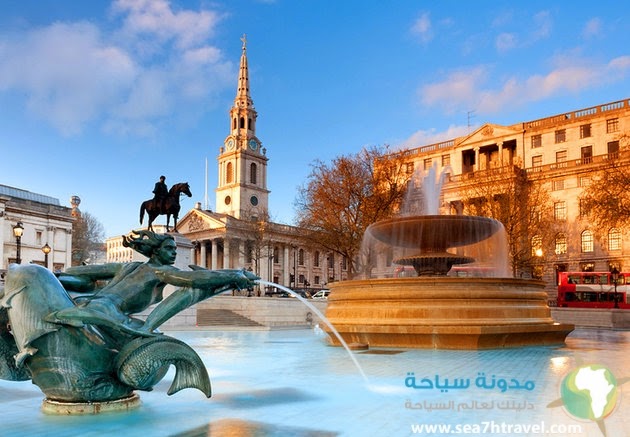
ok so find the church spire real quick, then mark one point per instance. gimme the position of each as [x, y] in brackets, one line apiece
[243, 98]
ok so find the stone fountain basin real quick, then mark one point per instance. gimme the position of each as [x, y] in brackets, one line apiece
[434, 232]
[443, 313]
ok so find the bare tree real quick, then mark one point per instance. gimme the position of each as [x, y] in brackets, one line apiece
[522, 204]
[341, 199]
[88, 236]
[607, 197]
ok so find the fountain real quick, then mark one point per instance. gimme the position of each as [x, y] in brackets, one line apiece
[436, 309]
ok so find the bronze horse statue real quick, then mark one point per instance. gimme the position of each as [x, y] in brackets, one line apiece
[171, 206]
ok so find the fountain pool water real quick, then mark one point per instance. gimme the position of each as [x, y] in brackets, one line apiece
[289, 383]
[434, 310]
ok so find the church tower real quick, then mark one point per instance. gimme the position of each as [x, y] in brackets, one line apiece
[242, 189]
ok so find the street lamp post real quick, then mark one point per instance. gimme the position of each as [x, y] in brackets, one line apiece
[615, 277]
[46, 249]
[18, 231]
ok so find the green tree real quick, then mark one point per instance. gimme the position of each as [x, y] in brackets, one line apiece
[342, 198]
[88, 236]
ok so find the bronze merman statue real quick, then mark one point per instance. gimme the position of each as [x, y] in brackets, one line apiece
[91, 348]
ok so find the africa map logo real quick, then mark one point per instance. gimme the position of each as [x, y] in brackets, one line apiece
[590, 392]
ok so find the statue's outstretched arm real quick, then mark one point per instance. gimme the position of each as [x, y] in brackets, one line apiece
[83, 278]
[208, 279]
[200, 285]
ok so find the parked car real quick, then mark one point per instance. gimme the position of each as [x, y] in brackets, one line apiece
[321, 295]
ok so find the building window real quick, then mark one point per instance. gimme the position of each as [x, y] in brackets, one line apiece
[584, 181]
[587, 241]
[557, 185]
[427, 163]
[614, 239]
[331, 261]
[560, 210]
[301, 257]
[229, 173]
[585, 130]
[561, 244]
[253, 173]
[587, 267]
[316, 259]
[536, 141]
[613, 149]
[276, 255]
[587, 154]
[537, 161]
[316, 280]
[446, 160]
[612, 125]
[409, 167]
[561, 135]
[300, 279]
[561, 155]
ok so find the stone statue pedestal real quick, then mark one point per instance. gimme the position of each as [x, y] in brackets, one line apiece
[81, 408]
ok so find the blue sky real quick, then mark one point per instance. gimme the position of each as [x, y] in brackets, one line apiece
[98, 98]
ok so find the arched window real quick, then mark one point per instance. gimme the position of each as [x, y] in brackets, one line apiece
[253, 173]
[249, 124]
[301, 257]
[587, 241]
[614, 239]
[229, 173]
[242, 123]
[276, 254]
[561, 244]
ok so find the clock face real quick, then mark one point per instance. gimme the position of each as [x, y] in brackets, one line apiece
[230, 144]
[228, 200]
[253, 144]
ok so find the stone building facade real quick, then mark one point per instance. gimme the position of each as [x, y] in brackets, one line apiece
[46, 223]
[562, 151]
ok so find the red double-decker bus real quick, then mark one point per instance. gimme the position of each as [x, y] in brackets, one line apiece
[593, 290]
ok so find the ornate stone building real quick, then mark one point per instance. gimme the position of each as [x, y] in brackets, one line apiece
[46, 229]
[239, 234]
[562, 151]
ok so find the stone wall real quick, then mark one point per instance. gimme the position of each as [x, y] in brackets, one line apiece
[593, 318]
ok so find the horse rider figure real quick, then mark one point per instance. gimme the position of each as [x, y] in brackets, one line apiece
[161, 193]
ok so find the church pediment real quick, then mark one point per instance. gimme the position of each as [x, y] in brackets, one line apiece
[490, 132]
[198, 220]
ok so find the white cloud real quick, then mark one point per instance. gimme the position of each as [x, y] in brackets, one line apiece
[469, 89]
[543, 25]
[157, 19]
[422, 28]
[72, 74]
[428, 137]
[66, 71]
[592, 28]
[505, 42]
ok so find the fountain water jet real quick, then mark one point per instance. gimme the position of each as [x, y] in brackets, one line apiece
[434, 310]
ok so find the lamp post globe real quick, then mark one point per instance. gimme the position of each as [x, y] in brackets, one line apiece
[18, 231]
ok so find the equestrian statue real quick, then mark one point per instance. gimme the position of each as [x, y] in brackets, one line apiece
[165, 202]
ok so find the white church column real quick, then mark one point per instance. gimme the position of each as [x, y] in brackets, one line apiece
[213, 254]
[226, 254]
[286, 266]
[203, 254]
